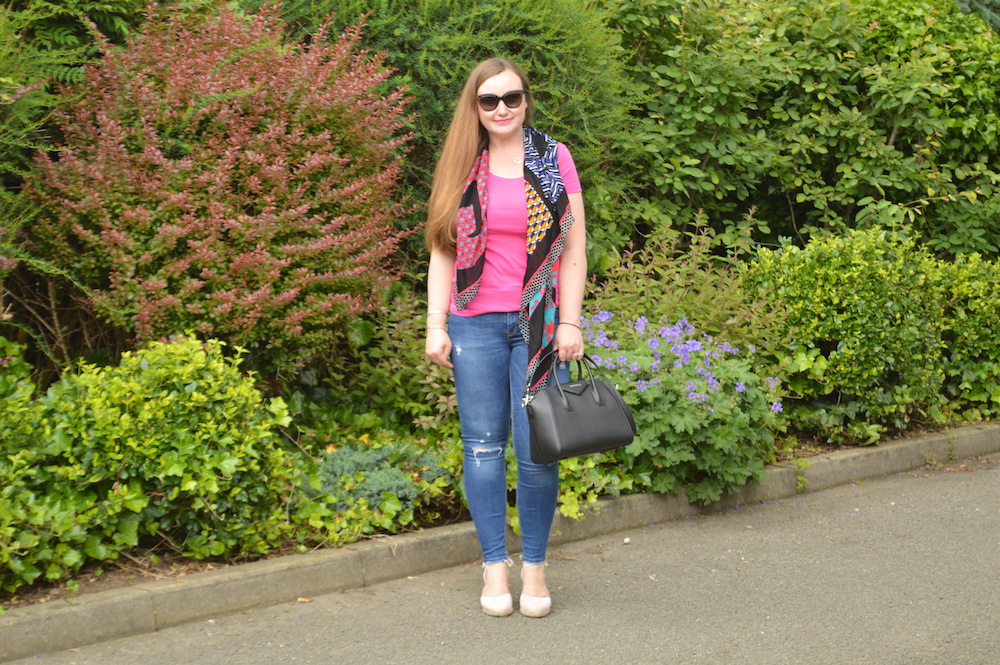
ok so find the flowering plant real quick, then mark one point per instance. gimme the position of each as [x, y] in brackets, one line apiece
[705, 418]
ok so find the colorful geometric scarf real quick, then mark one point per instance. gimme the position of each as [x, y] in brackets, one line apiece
[549, 219]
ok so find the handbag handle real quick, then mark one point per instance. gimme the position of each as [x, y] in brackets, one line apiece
[587, 362]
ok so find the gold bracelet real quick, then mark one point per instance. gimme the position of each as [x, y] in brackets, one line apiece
[437, 328]
[570, 324]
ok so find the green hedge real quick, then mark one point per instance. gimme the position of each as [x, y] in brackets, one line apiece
[172, 447]
[864, 318]
[176, 448]
[882, 334]
[810, 115]
[971, 345]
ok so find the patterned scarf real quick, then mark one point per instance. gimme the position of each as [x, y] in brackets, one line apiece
[549, 219]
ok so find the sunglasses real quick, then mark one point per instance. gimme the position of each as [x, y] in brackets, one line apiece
[511, 100]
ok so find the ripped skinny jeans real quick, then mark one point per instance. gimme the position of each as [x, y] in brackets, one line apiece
[490, 357]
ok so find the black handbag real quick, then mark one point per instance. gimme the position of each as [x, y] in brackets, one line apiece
[578, 417]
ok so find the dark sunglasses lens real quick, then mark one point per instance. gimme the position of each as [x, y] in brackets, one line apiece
[513, 99]
[488, 102]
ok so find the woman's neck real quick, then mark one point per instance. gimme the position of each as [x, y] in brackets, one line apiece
[507, 156]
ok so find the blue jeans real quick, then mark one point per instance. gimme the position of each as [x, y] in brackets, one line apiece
[491, 357]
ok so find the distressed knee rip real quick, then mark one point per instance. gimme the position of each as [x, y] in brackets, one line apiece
[482, 452]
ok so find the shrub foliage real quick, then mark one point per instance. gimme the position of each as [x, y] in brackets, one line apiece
[863, 312]
[215, 178]
[220, 181]
[989, 10]
[817, 114]
[384, 484]
[172, 447]
[970, 348]
[680, 336]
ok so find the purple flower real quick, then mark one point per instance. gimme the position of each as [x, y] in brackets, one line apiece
[684, 351]
[602, 317]
[668, 332]
[773, 382]
[741, 387]
[640, 385]
[640, 324]
[654, 343]
[776, 407]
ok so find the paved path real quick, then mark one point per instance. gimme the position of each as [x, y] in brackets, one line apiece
[899, 570]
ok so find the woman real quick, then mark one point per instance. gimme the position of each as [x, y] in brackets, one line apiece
[508, 264]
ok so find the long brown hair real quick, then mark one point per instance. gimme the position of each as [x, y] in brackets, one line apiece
[466, 139]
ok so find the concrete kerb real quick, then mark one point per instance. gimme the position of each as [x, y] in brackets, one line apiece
[103, 616]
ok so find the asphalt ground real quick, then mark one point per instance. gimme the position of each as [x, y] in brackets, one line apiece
[880, 560]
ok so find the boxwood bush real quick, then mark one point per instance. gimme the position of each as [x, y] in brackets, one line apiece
[970, 342]
[173, 447]
[863, 312]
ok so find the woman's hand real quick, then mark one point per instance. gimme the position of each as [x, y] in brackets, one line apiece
[438, 347]
[569, 342]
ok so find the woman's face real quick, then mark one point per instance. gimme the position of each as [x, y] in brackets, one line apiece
[502, 121]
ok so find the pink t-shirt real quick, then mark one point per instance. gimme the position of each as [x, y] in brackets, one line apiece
[506, 256]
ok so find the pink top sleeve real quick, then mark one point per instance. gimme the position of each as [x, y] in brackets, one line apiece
[506, 258]
[567, 169]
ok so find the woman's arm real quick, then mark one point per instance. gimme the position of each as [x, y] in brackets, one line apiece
[439, 286]
[572, 283]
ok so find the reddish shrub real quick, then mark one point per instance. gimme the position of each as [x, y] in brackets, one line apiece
[220, 181]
